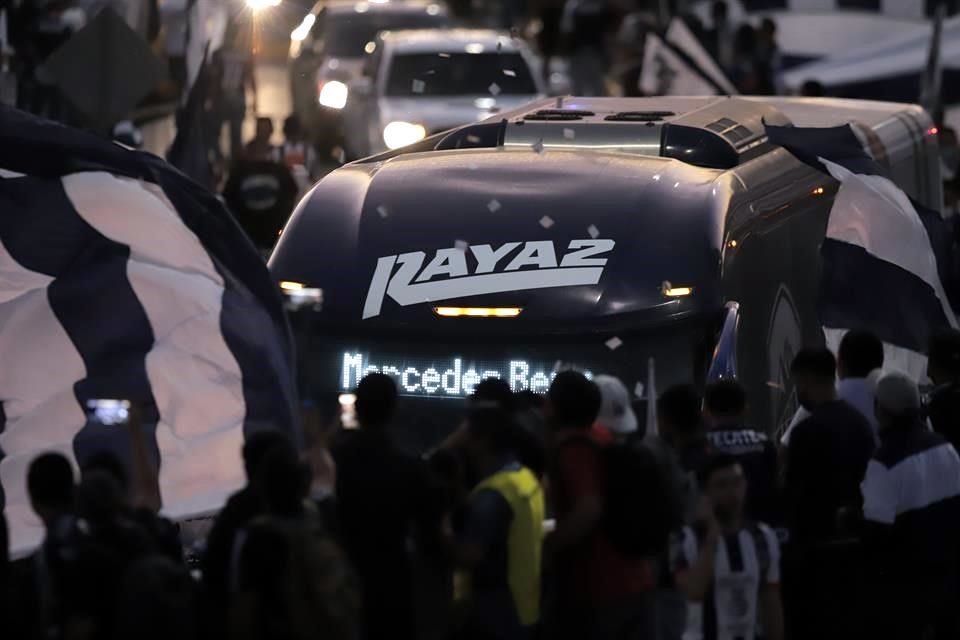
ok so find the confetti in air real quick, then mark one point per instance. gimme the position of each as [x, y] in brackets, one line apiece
[569, 134]
[493, 206]
[461, 245]
[444, 55]
[638, 390]
[382, 211]
[418, 86]
[593, 231]
[546, 222]
[494, 89]
[510, 73]
[473, 139]
[538, 146]
[614, 343]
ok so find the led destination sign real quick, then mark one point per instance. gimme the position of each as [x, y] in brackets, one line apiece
[455, 377]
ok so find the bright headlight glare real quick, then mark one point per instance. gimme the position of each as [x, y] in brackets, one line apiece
[333, 94]
[257, 5]
[399, 134]
[298, 296]
[303, 30]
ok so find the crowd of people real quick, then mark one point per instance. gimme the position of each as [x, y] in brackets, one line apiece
[556, 516]
[604, 42]
[602, 39]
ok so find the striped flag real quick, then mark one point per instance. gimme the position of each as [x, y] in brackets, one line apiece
[884, 257]
[121, 278]
[676, 64]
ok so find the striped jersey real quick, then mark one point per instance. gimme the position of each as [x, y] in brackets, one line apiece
[744, 562]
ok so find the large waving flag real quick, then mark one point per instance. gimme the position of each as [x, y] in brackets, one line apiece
[676, 64]
[890, 66]
[884, 257]
[121, 278]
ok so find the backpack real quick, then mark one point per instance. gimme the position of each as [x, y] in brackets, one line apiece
[640, 508]
[640, 505]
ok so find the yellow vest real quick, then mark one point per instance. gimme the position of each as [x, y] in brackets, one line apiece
[523, 493]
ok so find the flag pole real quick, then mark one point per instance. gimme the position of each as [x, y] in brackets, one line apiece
[651, 397]
[664, 13]
[4, 38]
[930, 95]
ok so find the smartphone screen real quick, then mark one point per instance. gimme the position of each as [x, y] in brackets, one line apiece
[109, 412]
[348, 412]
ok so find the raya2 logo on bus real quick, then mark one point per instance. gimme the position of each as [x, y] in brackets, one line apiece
[447, 276]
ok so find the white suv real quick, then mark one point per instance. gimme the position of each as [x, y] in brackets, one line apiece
[416, 83]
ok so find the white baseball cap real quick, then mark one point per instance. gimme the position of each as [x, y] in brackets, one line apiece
[616, 411]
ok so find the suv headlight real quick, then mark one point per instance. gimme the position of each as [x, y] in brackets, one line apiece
[333, 94]
[399, 134]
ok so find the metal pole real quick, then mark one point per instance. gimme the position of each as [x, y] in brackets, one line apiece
[664, 13]
[933, 74]
[651, 397]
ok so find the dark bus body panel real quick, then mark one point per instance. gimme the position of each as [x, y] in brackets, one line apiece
[748, 235]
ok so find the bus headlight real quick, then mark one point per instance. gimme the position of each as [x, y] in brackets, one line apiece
[297, 296]
[333, 94]
[399, 134]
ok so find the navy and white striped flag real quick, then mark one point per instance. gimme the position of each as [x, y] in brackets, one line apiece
[884, 257]
[676, 64]
[121, 278]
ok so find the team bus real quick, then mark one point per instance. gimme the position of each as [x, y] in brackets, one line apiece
[601, 234]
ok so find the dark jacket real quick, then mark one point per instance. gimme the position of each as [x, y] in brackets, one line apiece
[943, 410]
[383, 499]
[758, 456]
[911, 508]
[826, 460]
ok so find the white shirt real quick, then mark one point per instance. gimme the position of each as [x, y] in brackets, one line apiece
[857, 392]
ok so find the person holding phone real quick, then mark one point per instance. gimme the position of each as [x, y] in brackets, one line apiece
[728, 566]
[124, 430]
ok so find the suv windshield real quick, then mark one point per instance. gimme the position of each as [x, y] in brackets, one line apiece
[347, 34]
[432, 74]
